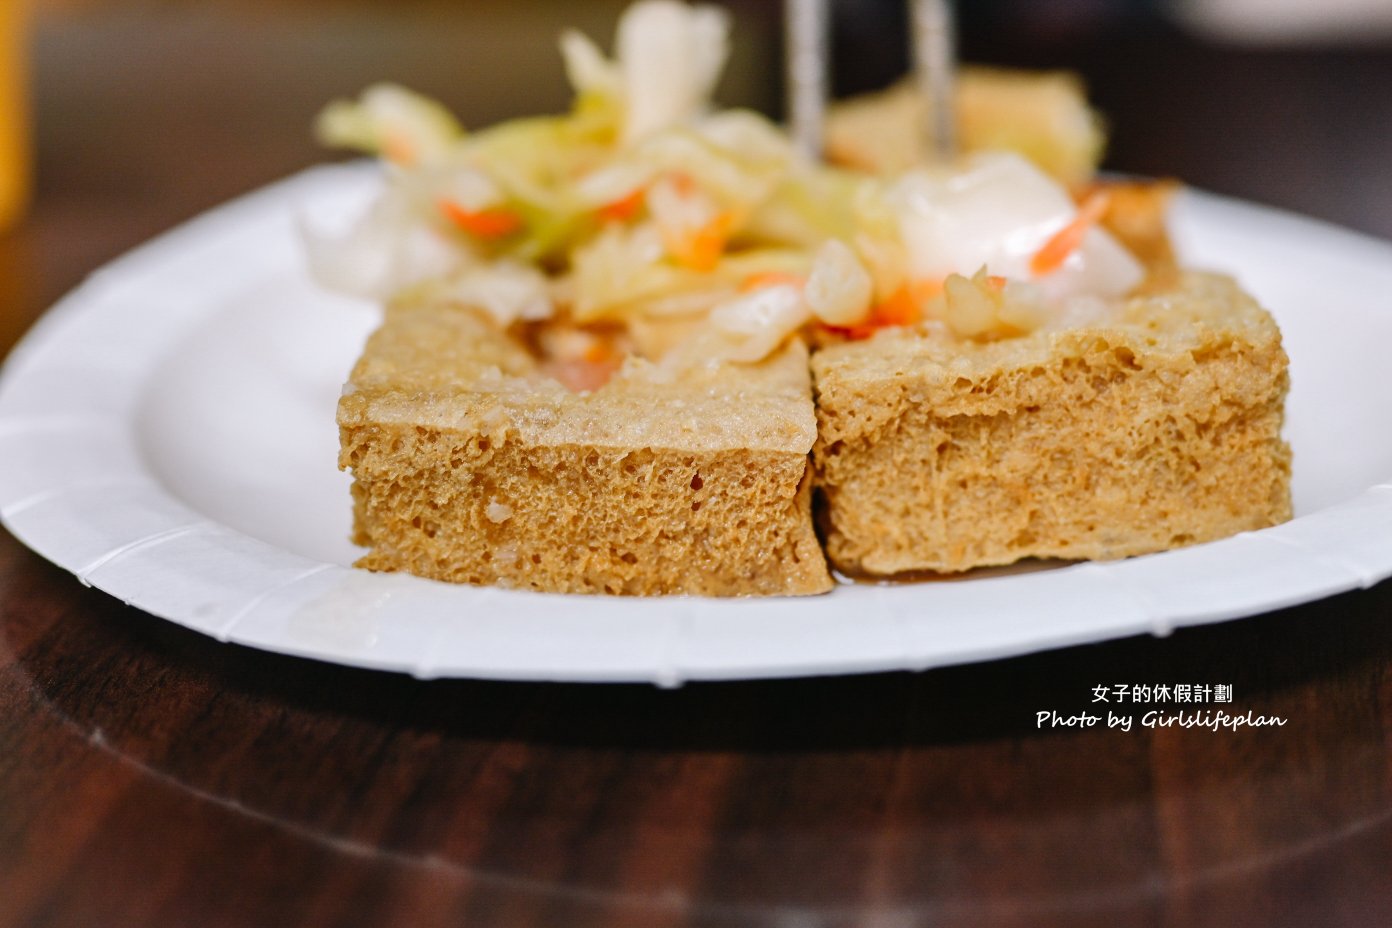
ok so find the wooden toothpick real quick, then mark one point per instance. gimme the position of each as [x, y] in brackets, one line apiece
[806, 36]
[935, 67]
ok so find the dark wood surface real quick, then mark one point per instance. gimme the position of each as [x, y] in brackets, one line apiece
[150, 776]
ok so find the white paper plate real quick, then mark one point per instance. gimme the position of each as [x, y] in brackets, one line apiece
[167, 434]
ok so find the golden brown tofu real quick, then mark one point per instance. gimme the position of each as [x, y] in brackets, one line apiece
[1043, 115]
[1157, 428]
[471, 466]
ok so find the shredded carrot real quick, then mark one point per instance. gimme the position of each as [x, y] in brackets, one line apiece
[397, 148]
[854, 332]
[684, 183]
[581, 375]
[598, 351]
[769, 279]
[624, 208]
[901, 308]
[1068, 239]
[996, 282]
[492, 222]
[924, 290]
[700, 249]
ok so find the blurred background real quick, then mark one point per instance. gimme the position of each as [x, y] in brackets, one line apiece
[145, 112]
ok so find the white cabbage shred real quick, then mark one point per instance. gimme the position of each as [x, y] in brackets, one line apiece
[697, 231]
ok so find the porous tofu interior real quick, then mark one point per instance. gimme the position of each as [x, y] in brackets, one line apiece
[471, 467]
[1158, 429]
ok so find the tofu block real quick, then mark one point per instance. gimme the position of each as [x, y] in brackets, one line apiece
[1043, 115]
[1155, 428]
[469, 466]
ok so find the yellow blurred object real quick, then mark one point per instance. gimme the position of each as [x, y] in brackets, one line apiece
[1043, 115]
[14, 115]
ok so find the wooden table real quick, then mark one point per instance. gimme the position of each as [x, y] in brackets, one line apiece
[150, 776]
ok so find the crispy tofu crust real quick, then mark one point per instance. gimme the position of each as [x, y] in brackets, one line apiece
[469, 467]
[1157, 429]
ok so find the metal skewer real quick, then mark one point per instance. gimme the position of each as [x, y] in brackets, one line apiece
[935, 67]
[806, 37]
